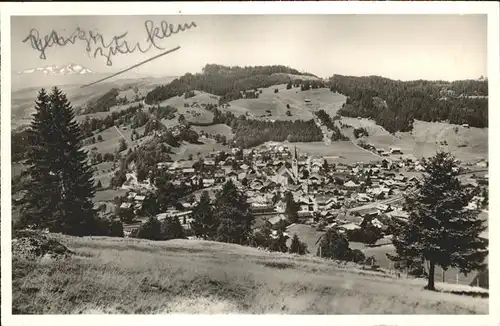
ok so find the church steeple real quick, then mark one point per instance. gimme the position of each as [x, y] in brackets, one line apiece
[295, 164]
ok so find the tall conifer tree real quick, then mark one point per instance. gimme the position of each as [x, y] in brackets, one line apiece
[234, 215]
[59, 191]
[440, 230]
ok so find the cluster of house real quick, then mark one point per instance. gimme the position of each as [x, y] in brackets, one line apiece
[328, 195]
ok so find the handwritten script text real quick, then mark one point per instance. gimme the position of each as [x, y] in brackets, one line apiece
[96, 45]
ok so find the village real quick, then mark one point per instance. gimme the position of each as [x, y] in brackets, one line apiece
[328, 194]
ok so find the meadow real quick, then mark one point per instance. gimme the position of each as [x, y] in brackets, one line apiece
[131, 276]
[467, 144]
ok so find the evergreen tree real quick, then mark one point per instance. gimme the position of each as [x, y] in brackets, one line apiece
[115, 229]
[262, 238]
[172, 229]
[297, 247]
[440, 231]
[292, 208]
[333, 245]
[123, 145]
[36, 206]
[60, 187]
[233, 212]
[204, 224]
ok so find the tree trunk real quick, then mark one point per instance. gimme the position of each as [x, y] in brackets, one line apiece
[430, 283]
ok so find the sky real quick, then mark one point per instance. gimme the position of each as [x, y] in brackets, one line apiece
[406, 47]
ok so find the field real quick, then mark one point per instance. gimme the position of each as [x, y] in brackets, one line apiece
[113, 275]
[111, 139]
[206, 146]
[221, 129]
[306, 234]
[193, 113]
[467, 144]
[276, 103]
[104, 172]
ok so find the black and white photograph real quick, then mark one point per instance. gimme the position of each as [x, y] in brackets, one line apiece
[246, 163]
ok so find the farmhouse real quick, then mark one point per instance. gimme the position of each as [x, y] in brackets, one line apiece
[396, 150]
[350, 184]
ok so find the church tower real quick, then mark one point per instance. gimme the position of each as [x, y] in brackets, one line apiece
[295, 164]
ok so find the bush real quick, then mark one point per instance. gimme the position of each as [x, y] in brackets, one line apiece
[357, 256]
[115, 229]
[171, 228]
[189, 94]
[276, 90]
[108, 228]
[360, 132]
[150, 230]
[126, 215]
[367, 234]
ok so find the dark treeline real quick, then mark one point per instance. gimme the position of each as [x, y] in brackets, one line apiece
[116, 118]
[227, 82]
[328, 122]
[249, 133]
[395, 104]
[106, 101]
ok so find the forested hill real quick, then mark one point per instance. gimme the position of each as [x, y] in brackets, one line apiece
[227, 82]
[394, 104]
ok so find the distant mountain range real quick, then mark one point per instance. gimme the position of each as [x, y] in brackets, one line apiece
[70, 69]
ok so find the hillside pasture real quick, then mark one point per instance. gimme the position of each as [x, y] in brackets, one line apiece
[206, 146]
[103, 172]
[195, 111]
[111, 139]
[276, 103]
[108, 195]
[221, 129]
[131, 276]
[426, 138]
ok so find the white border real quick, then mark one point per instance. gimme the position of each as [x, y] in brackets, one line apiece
[257, 8]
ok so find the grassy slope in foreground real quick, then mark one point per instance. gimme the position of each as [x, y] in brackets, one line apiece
[113, 275]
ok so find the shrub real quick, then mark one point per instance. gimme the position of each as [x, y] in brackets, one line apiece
[171, 228]
[357, 256]
[115, 229]
[360, 132]
[150, 230]
[367, 234]
[276, 90]
[126, 215]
